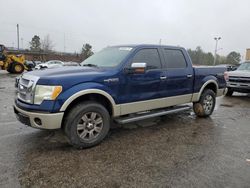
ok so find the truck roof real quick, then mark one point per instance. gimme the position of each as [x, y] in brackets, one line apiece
[148, 45]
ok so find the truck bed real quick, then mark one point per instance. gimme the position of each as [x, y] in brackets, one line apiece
[204, 73]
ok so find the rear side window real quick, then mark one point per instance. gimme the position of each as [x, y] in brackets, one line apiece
[149, 56]
[175, 59]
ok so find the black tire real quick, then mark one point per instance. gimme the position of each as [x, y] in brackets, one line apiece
[9, 68]
[16, 68]
[75, 120]
[205, 106]
[229, 92]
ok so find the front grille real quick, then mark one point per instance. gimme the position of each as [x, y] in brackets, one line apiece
[25, 89]
[239, 79]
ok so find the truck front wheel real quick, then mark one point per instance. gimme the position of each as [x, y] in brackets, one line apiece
[87, 124]
[205, 106]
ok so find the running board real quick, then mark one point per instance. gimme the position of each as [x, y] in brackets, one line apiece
[155, 113]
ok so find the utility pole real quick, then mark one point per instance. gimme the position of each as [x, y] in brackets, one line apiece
[64, 46]
[22, 42]
[17, 26]
[216, 48]
[160, 42]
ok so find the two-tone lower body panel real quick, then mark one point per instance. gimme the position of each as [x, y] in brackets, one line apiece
[39, 120]
[47, 120]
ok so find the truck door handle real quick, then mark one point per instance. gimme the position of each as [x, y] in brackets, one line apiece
[189, 75]
[163, 77]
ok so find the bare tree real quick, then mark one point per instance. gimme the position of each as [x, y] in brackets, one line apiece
[47, 44]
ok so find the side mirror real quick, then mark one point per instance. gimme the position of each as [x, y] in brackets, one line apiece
[137, 68]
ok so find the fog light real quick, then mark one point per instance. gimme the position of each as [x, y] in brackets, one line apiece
[38, 121]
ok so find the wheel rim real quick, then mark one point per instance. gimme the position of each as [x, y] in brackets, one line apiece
[208, 104]
[18, 68]
[90, 126]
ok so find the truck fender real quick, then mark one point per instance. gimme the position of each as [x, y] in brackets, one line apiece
[196, 96]
[115, 107]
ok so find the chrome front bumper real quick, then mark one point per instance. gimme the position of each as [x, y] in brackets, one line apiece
[238, 85]
[39, 120]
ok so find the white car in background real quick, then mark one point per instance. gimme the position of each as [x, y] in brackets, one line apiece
[71, 63]
[50, 64]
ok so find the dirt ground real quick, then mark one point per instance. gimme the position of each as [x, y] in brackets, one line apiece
[177, 150]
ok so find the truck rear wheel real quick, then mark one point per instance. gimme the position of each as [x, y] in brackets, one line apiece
[205, 106]
[87, 124]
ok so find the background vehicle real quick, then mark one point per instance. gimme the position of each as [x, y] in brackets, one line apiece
[38, 62]
[50, 64]
[239, 80]
[12, 63]
[121, 83]
[30, 64]
[229, 67]
[71, 63]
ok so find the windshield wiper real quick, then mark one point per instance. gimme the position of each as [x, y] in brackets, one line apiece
[89, 65]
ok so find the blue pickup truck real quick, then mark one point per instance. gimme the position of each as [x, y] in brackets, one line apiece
[120, 83]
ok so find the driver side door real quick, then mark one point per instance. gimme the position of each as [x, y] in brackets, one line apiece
[140, 90]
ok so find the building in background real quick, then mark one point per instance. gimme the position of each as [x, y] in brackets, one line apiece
[248, 54]
[43, 56]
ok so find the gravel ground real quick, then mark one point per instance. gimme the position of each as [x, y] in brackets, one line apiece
[177, 150]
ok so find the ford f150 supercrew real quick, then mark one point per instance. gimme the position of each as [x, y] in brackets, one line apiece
[120, 83]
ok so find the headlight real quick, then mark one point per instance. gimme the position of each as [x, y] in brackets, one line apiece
[43, 92]
[226, 77]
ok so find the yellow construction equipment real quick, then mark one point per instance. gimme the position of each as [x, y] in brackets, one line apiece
[12, 63]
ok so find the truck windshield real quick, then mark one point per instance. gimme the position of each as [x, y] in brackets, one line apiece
[108, 57]
[244, 66]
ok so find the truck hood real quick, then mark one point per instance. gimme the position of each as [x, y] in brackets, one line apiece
[62, 71]
[239, 73]
[69, 76]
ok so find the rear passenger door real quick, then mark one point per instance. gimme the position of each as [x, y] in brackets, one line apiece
[179, 74]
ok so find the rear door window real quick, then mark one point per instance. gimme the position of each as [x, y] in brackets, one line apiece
[174, 59]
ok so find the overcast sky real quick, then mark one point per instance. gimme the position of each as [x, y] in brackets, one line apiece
[188, 23]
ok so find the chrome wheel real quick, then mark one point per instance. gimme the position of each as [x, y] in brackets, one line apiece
[208, 104]
[90, 126]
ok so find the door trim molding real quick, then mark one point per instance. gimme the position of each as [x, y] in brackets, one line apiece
[140, 106]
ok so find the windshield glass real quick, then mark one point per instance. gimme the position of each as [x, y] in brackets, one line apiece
[108, 57]
[245, 66]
